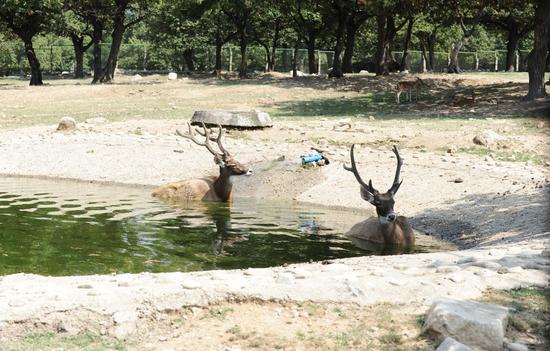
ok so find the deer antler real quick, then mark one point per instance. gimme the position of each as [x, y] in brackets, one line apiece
[368, 187]
[206, 143]
[396, 183]
[217, 139]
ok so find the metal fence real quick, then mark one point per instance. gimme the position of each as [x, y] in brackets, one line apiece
[55, 59]
[483, 61]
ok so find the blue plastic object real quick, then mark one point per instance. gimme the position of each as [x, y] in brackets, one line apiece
[311, 158]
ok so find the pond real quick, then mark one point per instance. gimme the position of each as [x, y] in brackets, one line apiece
[74, 228]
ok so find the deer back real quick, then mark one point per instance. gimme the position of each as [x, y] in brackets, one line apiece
[198, 189]
[399, 233]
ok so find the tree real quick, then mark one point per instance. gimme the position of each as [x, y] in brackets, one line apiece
[515, 17]
[307, 16]
[77, 31]
[124, 13]
[358, 16]
[240, 13]
[26, 19]
[537, 57]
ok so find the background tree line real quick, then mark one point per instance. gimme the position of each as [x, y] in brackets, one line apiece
[362, 33]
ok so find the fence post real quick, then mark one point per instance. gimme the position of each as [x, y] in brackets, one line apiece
[230, 59]
[448, 58]
[145, 58]
[318, 62]
[517, 61]
[477, 61]
[496, 61]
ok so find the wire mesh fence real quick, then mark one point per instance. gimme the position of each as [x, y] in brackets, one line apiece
[56, 59]
[483, 61]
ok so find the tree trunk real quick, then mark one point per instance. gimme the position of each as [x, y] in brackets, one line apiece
[188, 58]
[276, 37]
[337, 64]
[295, 60]
[431, 50]
[79, 50]
[36, 73]
[512, 46]
[243, 66]
[380, 44]
[108, 74]
[457, 46]
[97, 37]
[403, 66]
[311, 62]
[351, 31]
[219, 46]
[537, 57]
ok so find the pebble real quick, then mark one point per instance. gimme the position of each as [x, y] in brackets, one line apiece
[190, 284]
[458, 180]
[468, 259]
[488, 264]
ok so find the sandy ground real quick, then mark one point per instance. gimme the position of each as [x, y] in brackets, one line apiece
[496, 210]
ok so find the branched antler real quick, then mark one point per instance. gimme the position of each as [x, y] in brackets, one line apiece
[190, 135]
[368, 187]
[396, 183]
[217, 139]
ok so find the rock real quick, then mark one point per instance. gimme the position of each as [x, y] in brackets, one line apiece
[467, 259]
[172, 76]
[458, 180]
[514, 346]
[285, 278]
[450, 344]
[488, 264]
[190, 284]
[137, 77]
[363, 71]
[480, 140]
[239, 119]
[475, 324]
[540, 125]
[66, 124]
[452, 149]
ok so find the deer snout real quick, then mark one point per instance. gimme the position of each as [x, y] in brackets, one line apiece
[249, 172]
[391, 217]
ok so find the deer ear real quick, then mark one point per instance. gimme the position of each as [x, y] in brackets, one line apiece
[367, 195]
[219, 161]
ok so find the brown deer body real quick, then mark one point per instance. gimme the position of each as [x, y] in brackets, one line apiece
[387, 228]
[408, 86]
[209, 188]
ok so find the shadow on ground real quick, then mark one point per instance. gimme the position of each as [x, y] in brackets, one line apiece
[488, 219]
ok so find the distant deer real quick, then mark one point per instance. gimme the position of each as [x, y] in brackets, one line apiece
[465, 101]
[209, 188]
[408, 86]
[388, 228]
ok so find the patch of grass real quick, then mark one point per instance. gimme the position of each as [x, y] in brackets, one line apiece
[391, 338]
[529, 310]
[86, 341]
[218, 313]
[341, 313]
[500, 155]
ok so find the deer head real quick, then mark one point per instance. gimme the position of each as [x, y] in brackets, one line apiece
[228, 165]
[383, 202]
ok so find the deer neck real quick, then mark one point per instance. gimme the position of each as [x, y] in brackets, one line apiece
[223, 185]
[387, 229]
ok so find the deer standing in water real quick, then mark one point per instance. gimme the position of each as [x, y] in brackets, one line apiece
[408, 86]
[388, 228]
[210, 188]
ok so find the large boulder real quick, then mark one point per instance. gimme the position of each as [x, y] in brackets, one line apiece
[477, 325]
[233, 119]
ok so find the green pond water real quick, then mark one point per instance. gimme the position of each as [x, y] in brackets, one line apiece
[71, 228]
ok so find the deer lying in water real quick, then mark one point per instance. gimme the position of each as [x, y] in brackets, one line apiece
[408, 86]
[388, 228]
[210, 188]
